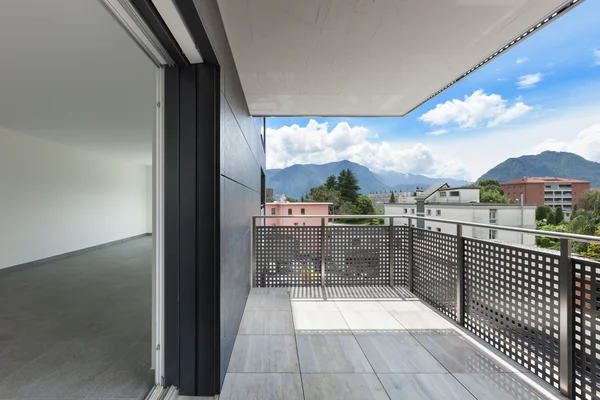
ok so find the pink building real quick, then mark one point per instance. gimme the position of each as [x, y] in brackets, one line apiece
[299, 209]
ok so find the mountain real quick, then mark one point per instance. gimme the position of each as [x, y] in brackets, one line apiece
[296, 180]
[397, 180]
[548, 163]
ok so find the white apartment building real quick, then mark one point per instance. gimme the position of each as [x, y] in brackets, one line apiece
[462, 204]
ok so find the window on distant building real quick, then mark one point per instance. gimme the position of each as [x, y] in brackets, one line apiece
[304, 224]
[454, 194]
[493, 234]
[412, 210]
[295, 224]
[493, 214]
[442, 194]
[405, 211]
[302, 212]
[289, 211]
[428, 212]
[272, 210]
[428, 228]
[438, 229]
[438, 212]
[272, 224]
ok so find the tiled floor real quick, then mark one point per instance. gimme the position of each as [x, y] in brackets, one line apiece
[80, 327]
[342, 345]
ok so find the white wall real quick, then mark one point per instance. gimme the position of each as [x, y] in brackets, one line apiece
[56, 199]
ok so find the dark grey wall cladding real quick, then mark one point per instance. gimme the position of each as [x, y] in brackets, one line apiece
[242, 156]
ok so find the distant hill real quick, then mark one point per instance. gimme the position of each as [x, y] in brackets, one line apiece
[548, 163]
[397, 180]
[296, 180]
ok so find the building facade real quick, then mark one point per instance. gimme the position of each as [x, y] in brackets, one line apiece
[299, 209]
[462, 204]
[550, 191]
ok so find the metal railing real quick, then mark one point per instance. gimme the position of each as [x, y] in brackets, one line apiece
[538, 307]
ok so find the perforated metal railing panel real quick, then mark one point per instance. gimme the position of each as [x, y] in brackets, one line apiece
[587, 329]
[435, 269]
[400, 255]
[287, 256]
[512, 302]
[357, 255]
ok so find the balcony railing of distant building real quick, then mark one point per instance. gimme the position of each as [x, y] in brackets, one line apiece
[538, 307]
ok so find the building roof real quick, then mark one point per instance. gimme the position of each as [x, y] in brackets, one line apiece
[287, 203]
[542, 179]
[431, 190]
[462, 187]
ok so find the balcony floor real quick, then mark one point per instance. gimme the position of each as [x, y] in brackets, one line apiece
[363, 343]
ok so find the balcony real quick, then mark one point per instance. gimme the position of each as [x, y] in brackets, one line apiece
[401, 312]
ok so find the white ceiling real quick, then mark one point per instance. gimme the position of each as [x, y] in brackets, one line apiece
[364, 57]
[69, 73]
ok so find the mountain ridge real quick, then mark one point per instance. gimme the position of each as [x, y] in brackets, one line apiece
[296, 180]
[558, 164]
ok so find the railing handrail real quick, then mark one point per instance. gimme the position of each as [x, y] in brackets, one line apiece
[556, 235]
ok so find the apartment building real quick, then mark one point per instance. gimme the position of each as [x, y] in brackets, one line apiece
[550, 191]
[462, 204]
[299, 209]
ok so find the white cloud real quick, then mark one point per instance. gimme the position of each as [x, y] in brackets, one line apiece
[522, 60]
[528, 81]
[437, 133]
[596, 53]
[475, 110]
[586, 144]
[317, 143]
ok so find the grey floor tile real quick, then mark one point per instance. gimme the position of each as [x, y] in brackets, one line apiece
[314, 305]
[263, 386]
[424, 387]
[268, 300]
[264, 353]
[266, 323]
[342, 387]
[349, 305]
[456, 355]
[419, 320]
[325, 321]
[331, 354]
[497, 386]
[371, 321]
[399, 353]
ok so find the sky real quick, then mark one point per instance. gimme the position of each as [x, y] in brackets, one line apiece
[543, 94]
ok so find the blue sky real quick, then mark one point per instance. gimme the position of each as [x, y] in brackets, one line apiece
[543, 94]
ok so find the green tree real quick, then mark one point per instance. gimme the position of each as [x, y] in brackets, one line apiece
[322, 194]
[292, 199]
[392, 198]
[559, 216]
[551, 218]
[270, 199]
[541, 212]
[331, 182]
[364, 205]
[491, 192]
[593, 250]
[347, 208]
[348, 185]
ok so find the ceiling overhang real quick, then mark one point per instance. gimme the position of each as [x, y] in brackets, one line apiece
[369, 57]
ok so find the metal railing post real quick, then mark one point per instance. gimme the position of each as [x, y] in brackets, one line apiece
[323, 252]
[566, 318]
[391, 250]
[460, 276]
[253, 253]
[410, 255]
